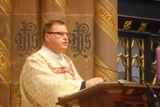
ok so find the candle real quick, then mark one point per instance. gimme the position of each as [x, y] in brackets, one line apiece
[158, 63]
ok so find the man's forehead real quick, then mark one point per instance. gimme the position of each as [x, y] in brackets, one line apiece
[59, 27]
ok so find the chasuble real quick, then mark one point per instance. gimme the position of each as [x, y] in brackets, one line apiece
[45, 77]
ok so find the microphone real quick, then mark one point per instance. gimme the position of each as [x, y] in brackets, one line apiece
[150, 89]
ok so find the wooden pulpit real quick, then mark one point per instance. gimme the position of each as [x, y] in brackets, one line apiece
[112, 94]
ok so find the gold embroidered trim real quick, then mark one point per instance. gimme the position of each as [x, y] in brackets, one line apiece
[63, 69]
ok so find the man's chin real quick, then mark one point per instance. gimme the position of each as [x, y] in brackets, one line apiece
[65, 47]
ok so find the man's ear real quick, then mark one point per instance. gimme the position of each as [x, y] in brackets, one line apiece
[47, 36]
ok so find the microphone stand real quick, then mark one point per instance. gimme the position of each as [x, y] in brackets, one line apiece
[150, 89]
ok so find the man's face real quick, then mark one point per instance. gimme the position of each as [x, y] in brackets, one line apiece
[57, 40]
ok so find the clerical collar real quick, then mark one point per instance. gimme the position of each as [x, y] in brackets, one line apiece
[50, 53]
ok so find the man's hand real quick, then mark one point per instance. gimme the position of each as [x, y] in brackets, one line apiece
[93, 81]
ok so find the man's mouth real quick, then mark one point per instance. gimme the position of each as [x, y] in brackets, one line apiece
[65, 43]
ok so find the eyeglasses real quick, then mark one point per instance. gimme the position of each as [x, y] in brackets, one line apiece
[59, 33]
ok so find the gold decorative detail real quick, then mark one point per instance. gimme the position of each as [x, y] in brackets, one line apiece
[154, 79]
[158, 31]
[144, 97]
[129, 91]
[5, 6]
[105, 17]
[123, 56]
[4, 64]
[142, 27]
[153, 67]
[127, 25]
[62, 5]
[140, 45]
[15, 95]
[106, 75]
[139, 58]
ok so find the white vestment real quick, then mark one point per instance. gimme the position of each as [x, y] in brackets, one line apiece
[47, 76]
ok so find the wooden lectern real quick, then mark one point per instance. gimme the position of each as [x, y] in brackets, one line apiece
[109, 94]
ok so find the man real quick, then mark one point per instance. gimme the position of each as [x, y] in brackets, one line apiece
[48, 73]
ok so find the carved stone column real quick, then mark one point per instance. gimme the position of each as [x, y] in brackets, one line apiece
[5, 78]
[106, 38]
[5, 74]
